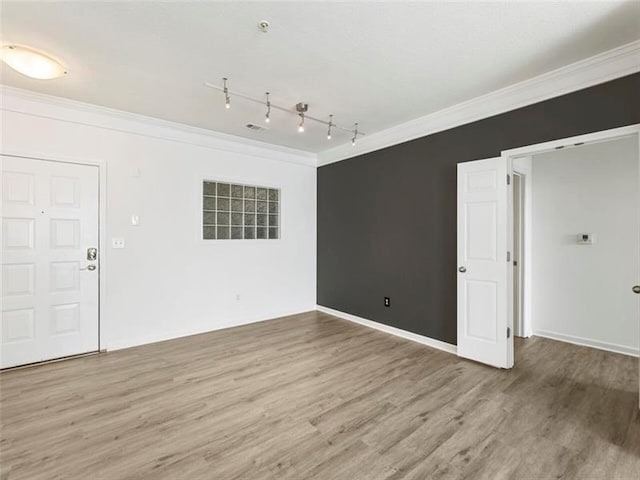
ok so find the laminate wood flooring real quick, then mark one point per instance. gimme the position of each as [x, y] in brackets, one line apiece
[311, 396]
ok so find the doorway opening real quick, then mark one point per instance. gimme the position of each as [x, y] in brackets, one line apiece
[589, 250]
[576, 242]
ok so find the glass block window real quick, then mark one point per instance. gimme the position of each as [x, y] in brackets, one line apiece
[239, 212]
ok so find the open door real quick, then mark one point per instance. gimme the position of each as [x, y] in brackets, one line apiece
[484, 262]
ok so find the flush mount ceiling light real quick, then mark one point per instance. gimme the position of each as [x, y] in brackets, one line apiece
[32, 63]
[300, 110]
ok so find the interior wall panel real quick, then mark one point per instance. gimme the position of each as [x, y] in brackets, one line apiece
[387, 219]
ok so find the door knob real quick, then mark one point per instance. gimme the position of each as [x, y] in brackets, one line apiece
[90, 267]
[462, 269]
[636, 289]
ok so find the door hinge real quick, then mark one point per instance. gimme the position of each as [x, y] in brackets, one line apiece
[508, 179]
[508, 256]
[508, 332]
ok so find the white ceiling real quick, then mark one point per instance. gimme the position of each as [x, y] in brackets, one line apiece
[379, 64]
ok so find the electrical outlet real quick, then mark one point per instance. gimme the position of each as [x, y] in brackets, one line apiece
[387, 302]
[117, 243]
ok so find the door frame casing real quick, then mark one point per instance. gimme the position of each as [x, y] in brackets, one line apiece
[526, 307]
[518, 179]
[101, 165]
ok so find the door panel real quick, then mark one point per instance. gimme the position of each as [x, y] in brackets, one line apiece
[483, 274]
[49, 220]
[480, 320]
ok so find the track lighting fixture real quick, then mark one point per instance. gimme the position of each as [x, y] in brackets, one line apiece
[227, 101]
[267, 117]
[300, 110]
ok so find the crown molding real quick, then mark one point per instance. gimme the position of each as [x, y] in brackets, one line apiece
[609, 65]
[47, 106]
[616, 63]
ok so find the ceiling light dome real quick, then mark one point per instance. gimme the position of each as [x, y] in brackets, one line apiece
[32, 63]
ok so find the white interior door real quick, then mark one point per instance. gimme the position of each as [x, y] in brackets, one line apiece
[49, 286]
[484, 269]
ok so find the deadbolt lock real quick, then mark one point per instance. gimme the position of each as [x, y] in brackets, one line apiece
[92, 254]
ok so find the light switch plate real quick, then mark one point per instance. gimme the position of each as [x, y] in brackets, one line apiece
[135, 220]
[117, 242]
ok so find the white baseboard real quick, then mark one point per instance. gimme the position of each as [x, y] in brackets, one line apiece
[587, 342]
[164, 336]
[429, 342]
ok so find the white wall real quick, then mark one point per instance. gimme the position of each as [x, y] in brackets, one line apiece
[582, 293]
[167, 282]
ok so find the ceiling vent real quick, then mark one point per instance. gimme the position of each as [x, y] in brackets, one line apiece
[256, 128]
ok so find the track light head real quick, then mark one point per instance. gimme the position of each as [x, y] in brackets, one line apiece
[301, 108]
[227, 100]
[355, 135]
[267, 117]
[330, 125]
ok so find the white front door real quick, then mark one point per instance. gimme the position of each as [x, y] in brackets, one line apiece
[49, 286]
[483, 266]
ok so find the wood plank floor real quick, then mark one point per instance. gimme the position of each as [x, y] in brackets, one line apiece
[314, 397]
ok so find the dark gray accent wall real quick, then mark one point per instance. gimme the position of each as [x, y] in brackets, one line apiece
[387, 219]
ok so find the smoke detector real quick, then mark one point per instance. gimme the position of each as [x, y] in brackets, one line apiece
[263, 25]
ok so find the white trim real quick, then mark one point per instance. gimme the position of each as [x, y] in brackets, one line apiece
[414, 337]
[27, 102]
[102, 230]
[147, 339]
[586, 342]
[606, 66]
[526, 255]
[601, 136]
